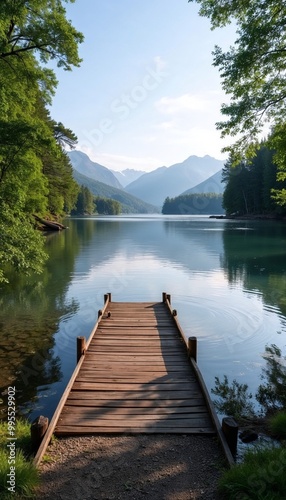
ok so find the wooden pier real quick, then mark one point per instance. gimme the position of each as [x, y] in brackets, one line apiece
[136, 374]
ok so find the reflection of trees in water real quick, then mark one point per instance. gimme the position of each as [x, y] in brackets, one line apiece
[256, 256]
[30, 313]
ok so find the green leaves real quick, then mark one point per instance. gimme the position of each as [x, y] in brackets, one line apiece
[253, 74]
[39, 26]
[20, 246]
[35, 173]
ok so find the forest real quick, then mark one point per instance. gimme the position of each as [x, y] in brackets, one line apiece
[36, 176]
[194, 204]
[252, 187]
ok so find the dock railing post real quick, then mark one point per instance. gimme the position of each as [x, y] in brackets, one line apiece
[38, 429]
[230, 429]
[80, 347]
[192, 348]
[165, 297]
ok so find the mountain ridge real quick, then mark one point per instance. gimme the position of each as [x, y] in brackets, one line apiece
[85, 166]
[153, 187]
[129, 203]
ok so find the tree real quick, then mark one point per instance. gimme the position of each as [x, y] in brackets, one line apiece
[249, 185]
[85, 202]
[253, 74]
[35, 172]
[107, 206]
[38, 26]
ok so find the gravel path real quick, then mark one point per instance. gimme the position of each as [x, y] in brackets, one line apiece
[155, 467]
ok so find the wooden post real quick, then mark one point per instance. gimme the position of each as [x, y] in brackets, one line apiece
[99, 313]
[38, 429]
[107, 296]
[164, 297]
[192, 348]
[168, 298]
[230, 429]
[174, 312]
[80, 347]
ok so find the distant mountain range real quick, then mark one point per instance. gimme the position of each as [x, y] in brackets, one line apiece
[82, 163]
[129, 203]
[144, 192]
[155, 186]
[213, 184]
[127, 176]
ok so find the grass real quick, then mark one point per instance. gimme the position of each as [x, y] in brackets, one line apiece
[262, 476]
[26, 474]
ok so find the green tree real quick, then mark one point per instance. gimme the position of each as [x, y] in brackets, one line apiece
[107, 206]
[85, 202]
[197, 203]
[253, 74]
[250, 184]
[41, 27]
[35, 173]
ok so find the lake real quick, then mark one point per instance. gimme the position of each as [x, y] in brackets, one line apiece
[227, 281]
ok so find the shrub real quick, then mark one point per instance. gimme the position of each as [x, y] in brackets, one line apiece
[277, 425]
[234, 399]
[272, 394]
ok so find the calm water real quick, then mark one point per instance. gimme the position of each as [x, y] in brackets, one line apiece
[227, 280]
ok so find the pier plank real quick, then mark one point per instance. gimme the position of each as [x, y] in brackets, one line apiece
[135, 376]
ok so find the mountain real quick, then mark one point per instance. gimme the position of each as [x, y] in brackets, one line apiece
[127, 176]
[211, 185]
[155, 186]
[82, 164]
[129, 203]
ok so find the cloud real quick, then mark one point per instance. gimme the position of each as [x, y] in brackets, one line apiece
[183, 103]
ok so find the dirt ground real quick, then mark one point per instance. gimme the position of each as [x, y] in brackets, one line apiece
[155, 467]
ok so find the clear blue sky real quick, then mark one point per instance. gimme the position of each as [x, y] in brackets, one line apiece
[146, 94]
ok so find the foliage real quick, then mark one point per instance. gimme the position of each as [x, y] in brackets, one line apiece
[107, 206]
[39, 26]
[252, 72]
[27, 477]
[35, 173]
[253, 69]
[20, 245]
[260, 477]
[277, 424]
[272, 393]
[250, 185]
[208, 203]
[85, 202]
[234, 399]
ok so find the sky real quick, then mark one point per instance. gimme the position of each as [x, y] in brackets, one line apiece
[146, 94]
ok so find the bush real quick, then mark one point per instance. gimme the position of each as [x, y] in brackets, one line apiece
[234, 399]
[272, 393]
[262, 476]
[277, 425]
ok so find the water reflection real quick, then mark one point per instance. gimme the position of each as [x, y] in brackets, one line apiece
[227, 280]
[256, 256]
